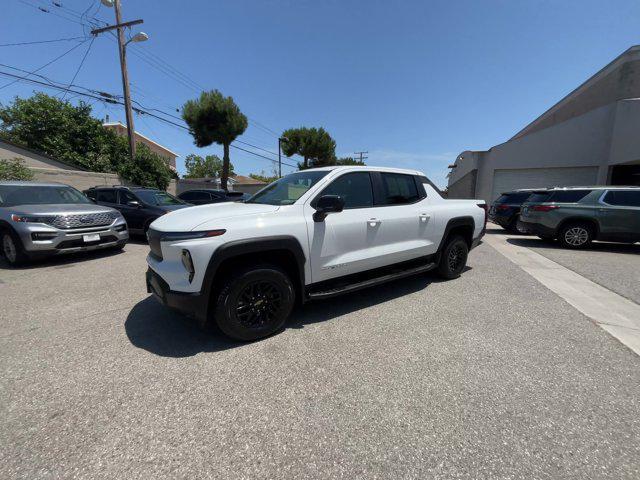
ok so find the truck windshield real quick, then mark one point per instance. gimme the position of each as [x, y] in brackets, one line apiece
[12, 195]
[288, 189]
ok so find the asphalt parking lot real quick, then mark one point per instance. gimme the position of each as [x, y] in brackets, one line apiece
[491, 375]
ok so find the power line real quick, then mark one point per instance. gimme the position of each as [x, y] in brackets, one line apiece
[43, 66]
[42, 41]
[79, 67]
[137, 110]
[146, 56]
[46, 10]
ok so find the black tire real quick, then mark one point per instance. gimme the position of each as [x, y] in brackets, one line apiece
[118, 247]
[576, 235]
[12, 249]
[512, 226]
[255, 303]
[453, 258]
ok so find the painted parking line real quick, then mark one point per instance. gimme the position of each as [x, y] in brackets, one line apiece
[615, 314]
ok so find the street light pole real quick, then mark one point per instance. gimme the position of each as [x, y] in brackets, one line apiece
[125, 83]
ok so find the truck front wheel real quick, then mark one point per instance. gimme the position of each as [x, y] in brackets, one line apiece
[255, 303]
[453, 258]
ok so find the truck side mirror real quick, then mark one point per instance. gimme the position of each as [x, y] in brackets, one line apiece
[327, 204]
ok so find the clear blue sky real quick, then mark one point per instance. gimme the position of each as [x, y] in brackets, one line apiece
[412, 82]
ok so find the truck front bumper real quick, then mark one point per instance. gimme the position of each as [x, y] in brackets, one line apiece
[188, 303]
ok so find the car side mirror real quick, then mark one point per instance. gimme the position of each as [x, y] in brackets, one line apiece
[134, 203]
[327, 204]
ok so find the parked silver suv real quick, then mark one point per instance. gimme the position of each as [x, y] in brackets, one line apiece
[40, 219]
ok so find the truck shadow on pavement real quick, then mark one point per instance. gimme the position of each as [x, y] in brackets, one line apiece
[154, 328]
[534, 243]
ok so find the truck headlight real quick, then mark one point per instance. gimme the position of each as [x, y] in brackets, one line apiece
[187, 263]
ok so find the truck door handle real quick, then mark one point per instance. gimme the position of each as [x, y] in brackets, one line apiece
[424, 217]
[373, 222]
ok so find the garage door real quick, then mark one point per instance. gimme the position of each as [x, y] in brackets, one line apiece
[513, 179]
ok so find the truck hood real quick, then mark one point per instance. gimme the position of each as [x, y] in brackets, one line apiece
[59, 209]
[187, 219]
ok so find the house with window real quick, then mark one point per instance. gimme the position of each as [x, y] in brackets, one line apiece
[155, 147]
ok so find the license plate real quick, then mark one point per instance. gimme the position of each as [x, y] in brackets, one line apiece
[94, 237]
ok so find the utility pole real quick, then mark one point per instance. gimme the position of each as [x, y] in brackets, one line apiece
[280, 140]
[362, 155]
[125, 83]
[122, 44]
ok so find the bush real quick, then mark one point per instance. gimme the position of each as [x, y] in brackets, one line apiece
[14, 169]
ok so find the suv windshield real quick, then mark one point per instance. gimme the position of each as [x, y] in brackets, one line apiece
[158, 197]
[288, 189]
[11, 195]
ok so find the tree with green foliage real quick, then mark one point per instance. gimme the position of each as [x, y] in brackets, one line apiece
[207, 167]
[69, 133]
[59, 129]
[147, 169]
[349, 161]
[313, 144]
[215, 118]
[15, 169]
[263, 177]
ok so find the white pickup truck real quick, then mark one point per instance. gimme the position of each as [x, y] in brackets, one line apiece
[311, 235]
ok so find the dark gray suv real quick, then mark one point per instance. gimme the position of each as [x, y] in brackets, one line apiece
[577, 215]
[40, 219]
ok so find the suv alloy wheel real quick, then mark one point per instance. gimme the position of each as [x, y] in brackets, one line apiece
[575, 235]
[255, 303]
[12, 248]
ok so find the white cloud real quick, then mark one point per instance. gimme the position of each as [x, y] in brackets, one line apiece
[434, 165]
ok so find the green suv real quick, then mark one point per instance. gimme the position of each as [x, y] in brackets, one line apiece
[577, 215]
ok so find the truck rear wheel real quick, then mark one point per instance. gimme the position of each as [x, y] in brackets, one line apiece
[453, 258]
[255, 303]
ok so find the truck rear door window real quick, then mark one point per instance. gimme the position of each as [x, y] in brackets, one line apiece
[399, 189]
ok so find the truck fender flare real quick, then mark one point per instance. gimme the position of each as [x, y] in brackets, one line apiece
[466, 221]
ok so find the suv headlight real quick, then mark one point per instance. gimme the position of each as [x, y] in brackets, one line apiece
[31, 219]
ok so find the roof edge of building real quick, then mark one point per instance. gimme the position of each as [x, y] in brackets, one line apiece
[580, 88]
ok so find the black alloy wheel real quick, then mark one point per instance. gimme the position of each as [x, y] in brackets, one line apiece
[258, 304]
[453, 258]
[254, 303]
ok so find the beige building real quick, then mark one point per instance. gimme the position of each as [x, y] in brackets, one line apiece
[162, 151]
[592, 136]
